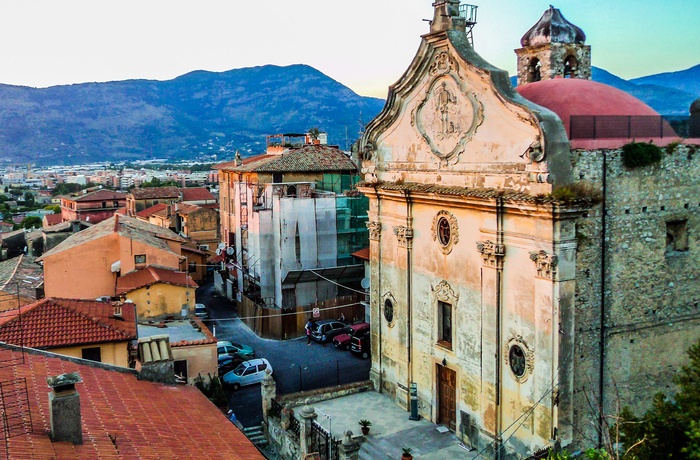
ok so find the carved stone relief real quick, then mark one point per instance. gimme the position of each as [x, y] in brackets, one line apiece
[546, 264]
[491, 253]
[443, 292]
[404, 236]
[375, 230]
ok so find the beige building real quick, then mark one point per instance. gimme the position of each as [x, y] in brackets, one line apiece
[499, 286]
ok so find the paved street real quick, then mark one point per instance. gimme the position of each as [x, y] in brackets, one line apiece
[296, 366]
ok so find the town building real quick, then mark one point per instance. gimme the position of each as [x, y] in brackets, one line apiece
[87, 329]
[21, 282]
[157, 292]
[95, 410]
[141, 198]
[523, 277]
[290, 221]
[93, 207]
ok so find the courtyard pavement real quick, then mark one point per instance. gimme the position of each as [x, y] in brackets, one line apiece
[391, 429]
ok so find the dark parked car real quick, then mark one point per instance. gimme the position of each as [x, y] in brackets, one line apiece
[227, 363]
[324, 330]
[342, 341]
[360, 346]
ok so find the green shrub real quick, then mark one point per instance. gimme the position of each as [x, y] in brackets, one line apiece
[639, 154]
[670, 148]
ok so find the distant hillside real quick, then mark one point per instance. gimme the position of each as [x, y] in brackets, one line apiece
[200, 113]
[663, 92]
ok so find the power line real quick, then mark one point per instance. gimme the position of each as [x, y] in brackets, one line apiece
[284, 314]
[337, 284]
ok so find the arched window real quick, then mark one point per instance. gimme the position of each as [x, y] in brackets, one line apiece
[570, 67]
[533, 71]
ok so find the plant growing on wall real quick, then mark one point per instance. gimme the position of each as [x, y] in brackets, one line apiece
[639, 154]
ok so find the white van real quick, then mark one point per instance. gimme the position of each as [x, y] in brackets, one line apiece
[200, 311]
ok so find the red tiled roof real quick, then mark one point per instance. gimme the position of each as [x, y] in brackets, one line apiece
[362, 254]
[53, 219]
[123, 417]
[152, 210]
[310, 158]
[155, 192]
[151, 275]
[196, 194]
[99, 195]
[20, 275]
[52, 323]
[186, 208]
[245, 161]
[204, 329]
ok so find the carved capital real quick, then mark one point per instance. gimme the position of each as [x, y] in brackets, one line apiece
[404, 236]
[491, 253]
[546, 264]
[375, 230]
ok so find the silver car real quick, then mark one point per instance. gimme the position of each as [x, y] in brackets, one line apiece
[247, 373]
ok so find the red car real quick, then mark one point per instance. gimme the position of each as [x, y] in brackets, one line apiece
[342, 341]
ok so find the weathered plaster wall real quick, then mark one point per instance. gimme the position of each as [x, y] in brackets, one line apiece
[201, 359]
[116, 353]
[161, 299]
[552, 57]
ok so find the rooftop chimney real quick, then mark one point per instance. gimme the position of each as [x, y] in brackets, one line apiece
[64, 406]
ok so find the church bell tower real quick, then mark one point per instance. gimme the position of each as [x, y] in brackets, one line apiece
[553, 48]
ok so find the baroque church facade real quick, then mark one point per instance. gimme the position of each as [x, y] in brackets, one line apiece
[521, 281]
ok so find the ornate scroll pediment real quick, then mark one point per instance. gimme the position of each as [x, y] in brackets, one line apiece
[443, 292]
[546, 264]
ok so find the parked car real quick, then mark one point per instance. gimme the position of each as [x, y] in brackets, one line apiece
[360, 346]
[227, 363]
[225, 347]
[342, 341]
[324, 330]
[200, 311]
[247, 373]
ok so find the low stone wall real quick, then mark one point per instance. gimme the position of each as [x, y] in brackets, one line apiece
[324, 394]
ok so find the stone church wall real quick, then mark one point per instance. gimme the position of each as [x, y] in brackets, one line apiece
[651, 294]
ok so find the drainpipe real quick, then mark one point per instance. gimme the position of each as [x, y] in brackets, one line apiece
[378, 300]
[499, 309]
[601, 352]
[409, 275]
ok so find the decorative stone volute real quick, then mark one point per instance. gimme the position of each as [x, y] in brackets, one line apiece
[491, 253]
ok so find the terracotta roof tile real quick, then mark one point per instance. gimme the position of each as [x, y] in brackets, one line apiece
[362, 254]
[53, 219]
[123, 417]
[196, 194]
[52, 323]
[186, 208]
[98, 195]
[310, 158]
[21, 273]
[151, 275]
[152, 210]
[155, 192]
[129, 227]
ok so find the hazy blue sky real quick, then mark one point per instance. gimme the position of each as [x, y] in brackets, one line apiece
[364, 44]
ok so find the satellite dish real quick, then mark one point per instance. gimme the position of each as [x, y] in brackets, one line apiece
[222, 246]
[364, 283]
[218, 251]
[229, 250]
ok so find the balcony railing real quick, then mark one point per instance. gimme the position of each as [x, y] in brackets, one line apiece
[626, 127]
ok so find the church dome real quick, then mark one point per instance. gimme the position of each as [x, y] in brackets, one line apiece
[572, 96]
[553, 28]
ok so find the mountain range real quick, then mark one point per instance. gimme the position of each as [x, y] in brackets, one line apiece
[209, 115]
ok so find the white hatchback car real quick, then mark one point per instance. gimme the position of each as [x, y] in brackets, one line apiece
[247, 373]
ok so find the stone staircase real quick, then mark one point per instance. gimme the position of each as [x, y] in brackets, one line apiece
[256, 435]
[375, 449]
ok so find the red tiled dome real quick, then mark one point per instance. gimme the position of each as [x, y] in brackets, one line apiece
[567, 96]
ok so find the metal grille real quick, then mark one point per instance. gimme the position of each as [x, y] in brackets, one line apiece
[294, 426]
[323, 443]
[619, 127]
[275, 408]
[15, 415]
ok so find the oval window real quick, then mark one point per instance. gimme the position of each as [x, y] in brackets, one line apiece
[444, 231]
[516, 358]
[388, 311]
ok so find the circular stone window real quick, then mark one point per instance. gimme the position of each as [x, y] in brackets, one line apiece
[388, 311]
[444, 232]
[517, 361]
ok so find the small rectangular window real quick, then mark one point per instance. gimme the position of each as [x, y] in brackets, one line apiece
[140, 259]
[445, 324]
[93, 354]
[181, 369]
[676, 236]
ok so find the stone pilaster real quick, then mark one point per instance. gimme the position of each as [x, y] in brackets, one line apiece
[268, 389]
[308, 415]
[349, 449]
